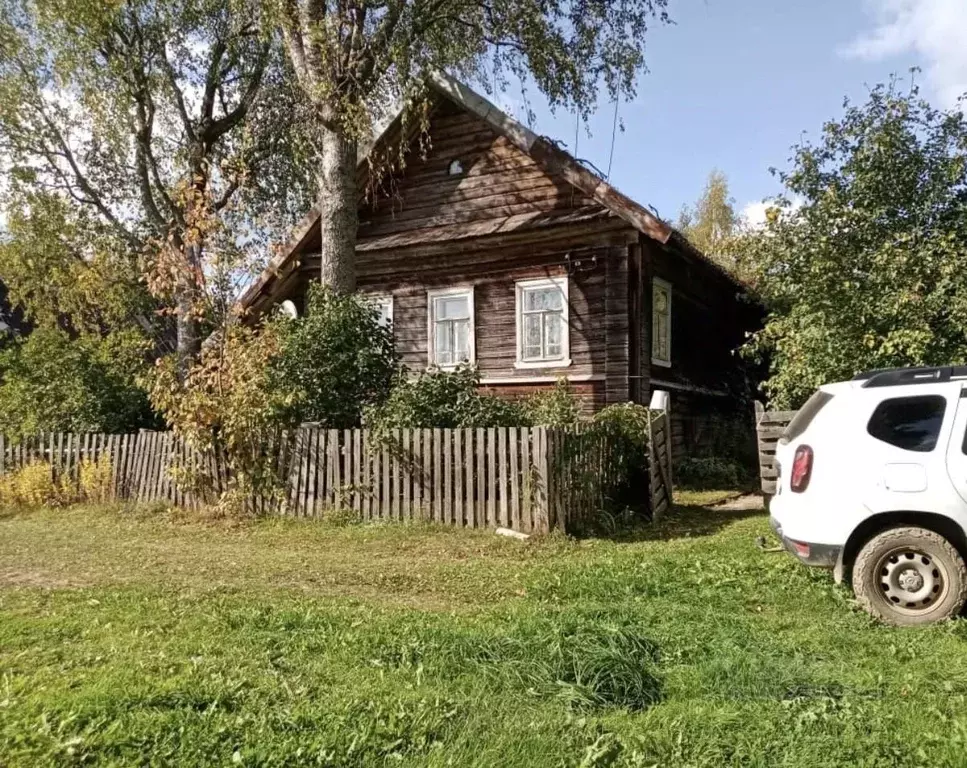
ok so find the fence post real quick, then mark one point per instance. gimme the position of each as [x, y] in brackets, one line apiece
[662, 426]
[661, 401]
[541, 492]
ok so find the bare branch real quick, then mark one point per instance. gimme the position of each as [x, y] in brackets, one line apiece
[92, 197]
[224, 124]
[212, 79]
[177, 93]
[226, 195]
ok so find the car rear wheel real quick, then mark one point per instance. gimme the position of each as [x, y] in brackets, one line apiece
[909, 576]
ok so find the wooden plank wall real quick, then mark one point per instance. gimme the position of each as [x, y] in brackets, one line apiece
[617, 352]
[497, 180]
[769, 426]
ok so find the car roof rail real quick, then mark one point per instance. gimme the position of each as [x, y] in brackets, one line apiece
[894, 377]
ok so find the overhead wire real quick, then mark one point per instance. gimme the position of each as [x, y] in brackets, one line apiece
[614, 130]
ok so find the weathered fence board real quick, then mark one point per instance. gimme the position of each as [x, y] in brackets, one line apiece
[769, 426]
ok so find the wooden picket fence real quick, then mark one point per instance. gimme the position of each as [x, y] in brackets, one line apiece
[526, 479]
[769, 426]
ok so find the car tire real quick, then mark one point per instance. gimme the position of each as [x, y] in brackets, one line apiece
[910, 576]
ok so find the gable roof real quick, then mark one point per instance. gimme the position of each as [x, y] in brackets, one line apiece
[542, 150]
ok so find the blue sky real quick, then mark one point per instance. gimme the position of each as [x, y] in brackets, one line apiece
[734, 83]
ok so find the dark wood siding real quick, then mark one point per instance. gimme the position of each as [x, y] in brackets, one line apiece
[708, 323]
[498, 180]
[598, 345]
[504, 219]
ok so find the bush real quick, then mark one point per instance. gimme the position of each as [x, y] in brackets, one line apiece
[94, 483]
[228, 403]
[447, 399]
[51, 382]
[626, 426]
[33, 485]
[709, 472]
[554, 408]
[727, 457]
[337, 357]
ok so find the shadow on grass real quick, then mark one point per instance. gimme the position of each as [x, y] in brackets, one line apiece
[685, 521]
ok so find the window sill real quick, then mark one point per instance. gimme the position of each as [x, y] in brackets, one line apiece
[450, 368]
[537, 364]
[662, 363]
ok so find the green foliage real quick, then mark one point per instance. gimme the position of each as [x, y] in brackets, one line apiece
[866, 268]
[552, 408]
[134, 140]
[726, 454]
[337, 357]
[628, 424]
[571, 53]
[230, 404]
[709, 472]
[445, 399]
[625, 425]
[50, 382]
[62, 266]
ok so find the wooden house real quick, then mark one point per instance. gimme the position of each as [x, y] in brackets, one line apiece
[495, 247]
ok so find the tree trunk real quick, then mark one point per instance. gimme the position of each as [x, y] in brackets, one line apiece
[186, 311]
[189, 343]
[338, 215]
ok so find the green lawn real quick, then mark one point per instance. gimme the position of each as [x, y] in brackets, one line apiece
[136, 638]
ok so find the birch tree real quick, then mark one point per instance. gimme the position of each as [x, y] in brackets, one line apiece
[148, 116]
[713, 220]
[348, 54]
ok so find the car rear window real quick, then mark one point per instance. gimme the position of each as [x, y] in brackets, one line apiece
[910, 423]
[805, 415]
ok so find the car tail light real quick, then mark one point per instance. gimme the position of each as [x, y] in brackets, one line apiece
[802, 469]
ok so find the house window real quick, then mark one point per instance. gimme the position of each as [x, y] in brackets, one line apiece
[384, 306]
[542, 323]
[450, 330]
[661, 322]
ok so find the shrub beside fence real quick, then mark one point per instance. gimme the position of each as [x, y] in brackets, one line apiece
[529, 479]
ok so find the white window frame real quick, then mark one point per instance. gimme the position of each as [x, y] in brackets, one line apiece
[561, 284]
[668, 288]
[383, 298]
[446, 293]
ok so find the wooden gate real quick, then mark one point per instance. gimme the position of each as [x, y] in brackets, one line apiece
[659, 464]
[769, 426]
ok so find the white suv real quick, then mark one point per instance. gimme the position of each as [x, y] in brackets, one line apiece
[873, 484]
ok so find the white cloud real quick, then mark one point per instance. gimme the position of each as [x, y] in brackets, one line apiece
[932, 30]
[755, 214]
